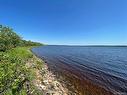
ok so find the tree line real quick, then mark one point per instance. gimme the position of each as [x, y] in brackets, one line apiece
[9, 39]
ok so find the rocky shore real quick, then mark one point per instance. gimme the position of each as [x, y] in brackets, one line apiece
[46, 82]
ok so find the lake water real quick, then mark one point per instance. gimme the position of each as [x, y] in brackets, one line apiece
[105, 67]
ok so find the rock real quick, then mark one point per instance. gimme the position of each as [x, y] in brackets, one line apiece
[42, 87]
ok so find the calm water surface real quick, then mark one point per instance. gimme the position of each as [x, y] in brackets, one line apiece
[103, 66]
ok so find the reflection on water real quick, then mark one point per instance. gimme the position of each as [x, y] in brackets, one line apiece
[96, 68]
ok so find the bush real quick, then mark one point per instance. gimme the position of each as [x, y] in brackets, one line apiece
[30, 43]
[8, 38]
[13, 71]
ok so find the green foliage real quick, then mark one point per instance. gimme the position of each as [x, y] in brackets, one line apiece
[13, 72]
[20, 52]
[30, 43]
[9, 39]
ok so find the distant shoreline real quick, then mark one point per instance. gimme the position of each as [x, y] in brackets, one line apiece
[92, 45]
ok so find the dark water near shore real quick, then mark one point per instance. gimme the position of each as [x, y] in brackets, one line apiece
[105, 67]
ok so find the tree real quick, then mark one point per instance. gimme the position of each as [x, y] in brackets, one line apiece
[8, 38]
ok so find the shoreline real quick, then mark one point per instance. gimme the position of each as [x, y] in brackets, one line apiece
[80, 86]
[86, 79]
[48, 83]
[36, 77]
[30, 75]
[72, 82]
[74, 85]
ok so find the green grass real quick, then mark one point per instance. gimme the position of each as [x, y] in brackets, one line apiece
[21, 52]
[13, 71]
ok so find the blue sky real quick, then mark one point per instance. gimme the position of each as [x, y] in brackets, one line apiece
[68, 22]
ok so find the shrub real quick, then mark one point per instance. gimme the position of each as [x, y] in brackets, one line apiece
[8, 38]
